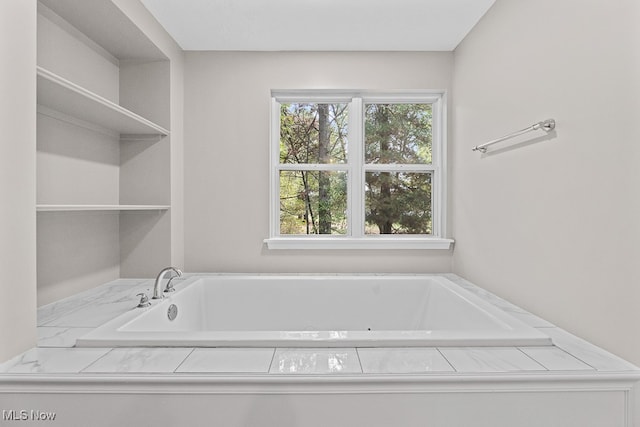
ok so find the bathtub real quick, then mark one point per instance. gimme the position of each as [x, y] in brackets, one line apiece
[316, 311]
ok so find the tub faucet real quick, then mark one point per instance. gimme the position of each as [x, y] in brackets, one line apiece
[157, 292]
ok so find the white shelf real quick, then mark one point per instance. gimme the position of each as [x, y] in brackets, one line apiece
[71, 208]
[68, 98]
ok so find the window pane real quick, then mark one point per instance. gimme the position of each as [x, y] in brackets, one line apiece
[397, 203]
[313, 133]
[313, 202]
[398, 133]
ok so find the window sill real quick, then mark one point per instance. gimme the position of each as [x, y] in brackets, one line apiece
[358, 243]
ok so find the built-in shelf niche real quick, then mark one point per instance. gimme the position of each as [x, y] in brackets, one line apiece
[62, 100]
[103, 152]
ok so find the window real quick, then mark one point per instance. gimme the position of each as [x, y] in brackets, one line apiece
[357, 170]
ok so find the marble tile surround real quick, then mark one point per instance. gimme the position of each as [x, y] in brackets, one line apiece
[228, 360]
[52, 336]
[139, 360]
[62, 322]
[328, 361]
[555, 359]
[53, 360]
[490, 359]
[94, 307]
[403, 361]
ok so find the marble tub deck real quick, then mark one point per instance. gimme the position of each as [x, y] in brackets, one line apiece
[60, 323]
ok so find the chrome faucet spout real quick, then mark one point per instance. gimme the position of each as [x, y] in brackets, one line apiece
[157, 291]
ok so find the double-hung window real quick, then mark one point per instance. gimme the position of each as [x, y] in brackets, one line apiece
[357, 170]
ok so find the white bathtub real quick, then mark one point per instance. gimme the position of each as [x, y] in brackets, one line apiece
[317, 311]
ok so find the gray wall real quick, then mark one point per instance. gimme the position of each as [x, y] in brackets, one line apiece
[17, 177]
[227, 100]
[553, 225]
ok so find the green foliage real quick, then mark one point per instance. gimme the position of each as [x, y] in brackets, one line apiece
[398, 133]
[300, 133]
[398, 203]
[315, 202]
[301, 204]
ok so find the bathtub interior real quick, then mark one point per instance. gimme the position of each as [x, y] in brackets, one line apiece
[317, 311]
[313, 304]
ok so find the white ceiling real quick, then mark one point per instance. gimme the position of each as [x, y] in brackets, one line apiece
[329, 25]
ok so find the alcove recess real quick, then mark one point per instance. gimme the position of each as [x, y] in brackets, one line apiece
[103, 149]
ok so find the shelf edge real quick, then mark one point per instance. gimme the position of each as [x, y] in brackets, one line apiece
[86, 208]
[44, 73]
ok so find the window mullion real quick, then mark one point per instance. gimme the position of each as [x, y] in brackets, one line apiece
[398, 167]
[355, 193]
[438, 192]
[313, 167]
[275, 171]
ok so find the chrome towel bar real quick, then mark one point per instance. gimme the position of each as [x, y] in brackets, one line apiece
[546, 125]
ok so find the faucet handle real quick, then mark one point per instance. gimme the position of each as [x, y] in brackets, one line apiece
[144, 300]
[169, 287]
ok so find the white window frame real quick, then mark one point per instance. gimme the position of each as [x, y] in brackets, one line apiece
[356, 169]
